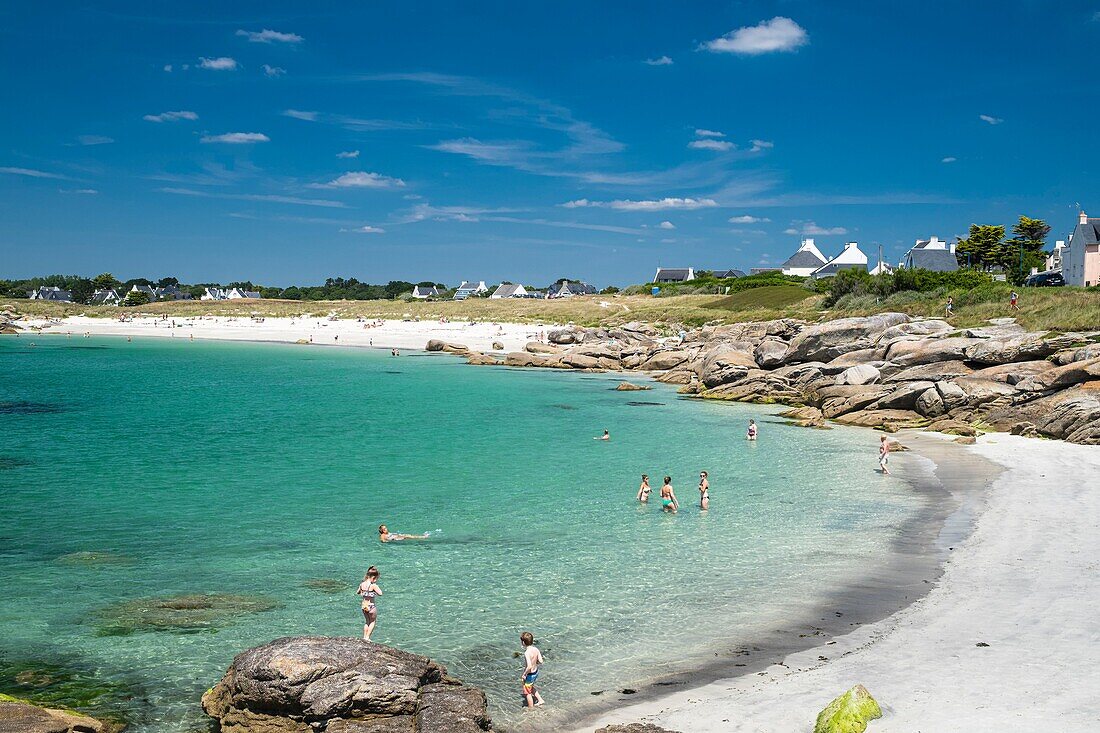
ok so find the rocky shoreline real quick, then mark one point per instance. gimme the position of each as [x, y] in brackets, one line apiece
[888, 371]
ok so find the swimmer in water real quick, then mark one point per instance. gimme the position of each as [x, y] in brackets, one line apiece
[704, 491]
[644, 490]
[668, 497]
[606, 436]
[752, 430]
[385, 535]
[369, 590]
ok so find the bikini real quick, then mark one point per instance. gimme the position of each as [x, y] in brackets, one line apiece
[368, 596]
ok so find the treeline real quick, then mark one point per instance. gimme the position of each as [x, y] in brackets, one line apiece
[986, 248]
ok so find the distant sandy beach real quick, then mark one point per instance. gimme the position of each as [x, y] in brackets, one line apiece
[387, 335]
[1005, 639]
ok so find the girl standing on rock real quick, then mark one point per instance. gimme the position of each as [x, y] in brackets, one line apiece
[369, 590]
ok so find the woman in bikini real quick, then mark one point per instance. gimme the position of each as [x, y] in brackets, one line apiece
[368, 591]
[668, 497]
[385, 535]
[644, 490]
[752, 430]
[704, 491]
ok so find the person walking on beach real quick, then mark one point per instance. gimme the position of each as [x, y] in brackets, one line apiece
[704, 491]
[949, 308]
[644, 490]
[884, 454]
[1014, 300]
[752, 430]
[368, 590]
[668, 497]
[532, 660]
[385, 535]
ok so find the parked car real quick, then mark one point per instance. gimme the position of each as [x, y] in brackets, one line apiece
[1045, 280]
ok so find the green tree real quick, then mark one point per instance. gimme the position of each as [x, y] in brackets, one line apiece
[166, 281]
[1025, 250]
[136, 297]
[106, 281]
[82, 291]
[983, 246]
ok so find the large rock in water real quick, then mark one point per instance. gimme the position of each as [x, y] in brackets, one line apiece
[437, 345]
[827, 341]
[18, 716]
[849, 713]
[309, 684]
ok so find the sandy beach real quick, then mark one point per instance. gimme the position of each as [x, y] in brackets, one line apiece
[385, 335]
[1004, 640]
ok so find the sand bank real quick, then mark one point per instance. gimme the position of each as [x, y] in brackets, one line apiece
[1005, 639]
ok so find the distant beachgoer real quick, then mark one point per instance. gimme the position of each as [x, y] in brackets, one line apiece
[368, 590]
[336, 337]
[385, 535]
[644, 490]
[752, 430]
[949, 308]
[129, 339]
[606, 436]
[704, 491]
[1014, 300]
[668, 497]
[192, 337]
[311, 338]
[532, 660]
[683, 335]
[884, 454]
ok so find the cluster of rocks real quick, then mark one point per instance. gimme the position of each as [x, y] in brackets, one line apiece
[885, 371]
[8, 317]
[318, 684]
[20, 716]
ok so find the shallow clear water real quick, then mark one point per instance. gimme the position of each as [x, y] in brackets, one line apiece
[258, 469]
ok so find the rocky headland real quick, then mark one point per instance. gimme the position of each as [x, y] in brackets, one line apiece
[887, 371]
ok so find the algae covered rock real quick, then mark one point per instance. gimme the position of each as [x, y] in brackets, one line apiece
[849, 713]
[182, 613]
[24, 717]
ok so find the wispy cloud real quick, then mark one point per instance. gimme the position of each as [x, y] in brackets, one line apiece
[949, 159]
[758, 145]
[990, 119]
[666, 225]
[348, 154]
[83, 191]
[711, 144]
[259, 197]
[659, 61]
[32, 173]
[236, 138]
[812, 229]
[644, 205]
[366, 229]
[94, 140]
[777, 34]
[748, 219]
[270, 36]
[359, 179]
[219, 63]
[700, 132]
[300, 115]
[171, 116]
[270, 70]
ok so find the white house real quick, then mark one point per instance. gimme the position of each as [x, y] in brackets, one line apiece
[147, 289]
[107, 296]
[881, 269]
[425, 291]
[229, 294]
[566, 289]
[931, 254]
[805, 261]
[851, 257]
[53, 293]
[674, 274]
[1054, 259]
[1081, 257]
[509, 290]
[468, 288]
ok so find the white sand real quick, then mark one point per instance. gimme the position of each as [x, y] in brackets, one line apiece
[390, 334]
[1024, 582]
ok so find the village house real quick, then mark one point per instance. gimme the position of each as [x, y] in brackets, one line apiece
[108, 296]
[850, 258]
[1081, 256]
[727, 274]
[53, 293]
[931, 254]
[468, 288]
[509, 290]
[425, 291]
[806, 260]
[674, 274]
[229, 294]
[566, 289]
[1054, 259]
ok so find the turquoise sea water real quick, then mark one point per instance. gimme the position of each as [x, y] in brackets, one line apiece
[259, 470]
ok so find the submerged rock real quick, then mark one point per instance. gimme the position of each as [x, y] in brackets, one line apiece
[20, 716]
[178, 613]
[628, 387]
[341, 685]
[849, 713]
[327, 585]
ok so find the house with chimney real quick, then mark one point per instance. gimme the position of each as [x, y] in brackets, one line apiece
[806, 260]
[1081, 255]
[931, 254]
[850, 258]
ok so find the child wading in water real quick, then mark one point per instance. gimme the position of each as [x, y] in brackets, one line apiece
[369, 590]
[532, 658]
[884, 454]
[752, 430]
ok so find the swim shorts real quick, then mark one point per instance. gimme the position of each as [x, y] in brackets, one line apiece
[529, 683]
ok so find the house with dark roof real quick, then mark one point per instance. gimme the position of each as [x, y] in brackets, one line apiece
[1081, 256]
[171, 292]
[726, 274]
[805, 261]
[468, 288]
[566, 289]
[53, 293]
[850, 258]
[108, 296]
[931, 254]
[674, 274]
[509, 290]
[425, 291]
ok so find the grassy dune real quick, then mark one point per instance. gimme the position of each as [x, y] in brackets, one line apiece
[1063, 309]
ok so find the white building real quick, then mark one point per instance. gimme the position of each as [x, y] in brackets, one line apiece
[851, 257]
[229, 294]
[931, 254]
[107, 296]
[425, 291]
[674, 274]
[468, 288]
[1054, 259]
[805, 261]
[1081, 257]
[509, 290]
[53, 293]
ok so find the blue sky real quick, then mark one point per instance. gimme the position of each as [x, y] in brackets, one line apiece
[528, 141]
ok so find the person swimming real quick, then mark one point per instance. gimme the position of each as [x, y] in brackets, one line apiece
[752, 430]
[644, 490]
[385, 535]
[606, 436]
[368, 590]
[704, 491]
[668, 496]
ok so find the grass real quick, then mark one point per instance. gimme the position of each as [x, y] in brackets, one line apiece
[1062, 309]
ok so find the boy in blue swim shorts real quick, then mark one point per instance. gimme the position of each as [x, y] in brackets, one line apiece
[532, 659]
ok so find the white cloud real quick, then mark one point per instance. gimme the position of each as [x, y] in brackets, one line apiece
[273, 70]
[270, 36]
[358, 179]
[748, 219]
[650, 205]
[95, 140]
[300, 115]
[31, 173]
[171, 116]
[168, 68]
[666, 225]
[269, 198]
[949, 159]
[990, 119]
[236, 138]
[777, 34]
[366, 229]
[812, 229]
[85, 191]
[758, 145]
[707, 144]
[659, 61]
[348, 154]
[221, 63]
[709, 133]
